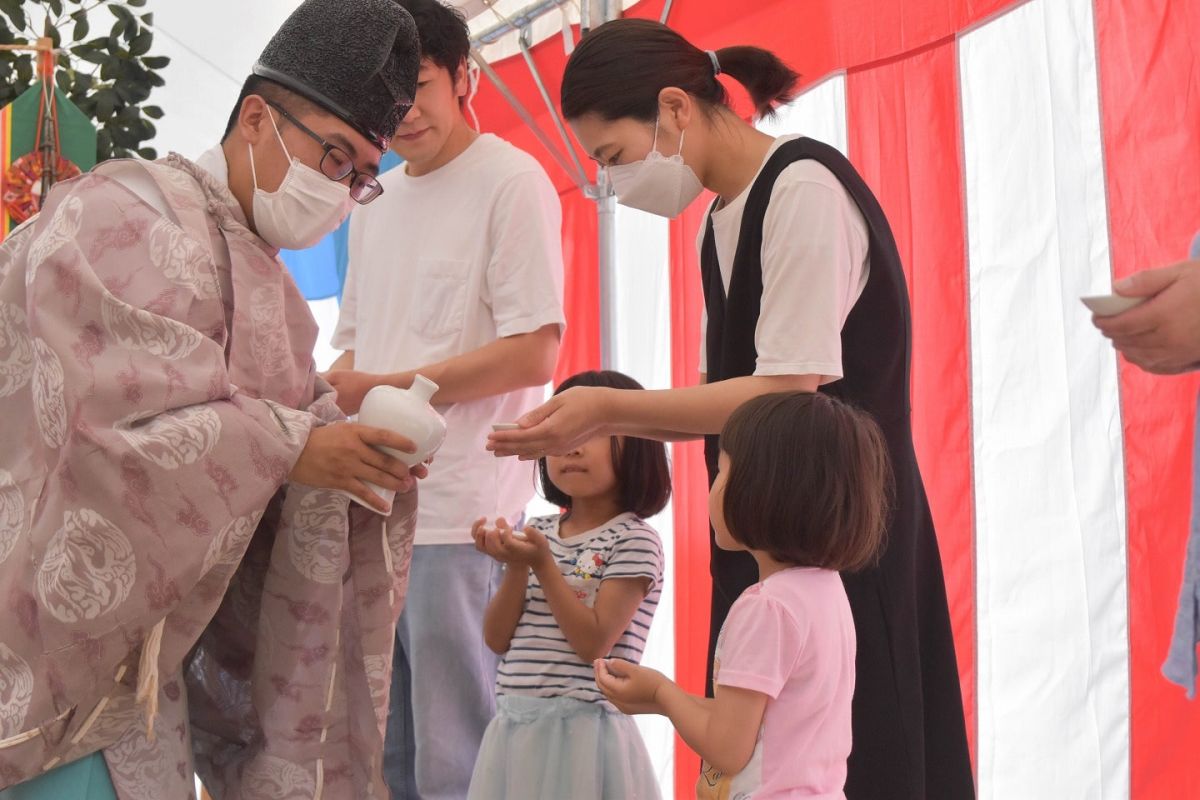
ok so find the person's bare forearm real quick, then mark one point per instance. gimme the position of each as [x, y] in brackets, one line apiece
[344, 361]
[579, 623]
[657, 435]
[699, 724]
[691, 717]
[502, 366]
[688, 413]
[504, 612]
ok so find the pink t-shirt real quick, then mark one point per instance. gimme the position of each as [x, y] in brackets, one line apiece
[790, 637]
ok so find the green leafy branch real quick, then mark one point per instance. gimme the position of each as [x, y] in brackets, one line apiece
[110, 77]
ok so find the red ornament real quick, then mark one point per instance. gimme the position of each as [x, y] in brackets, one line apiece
[27, 175]
[23, 183]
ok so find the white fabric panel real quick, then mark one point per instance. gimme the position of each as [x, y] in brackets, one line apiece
[326, 313]
[819, 113]
[210, 57]
[643, 351]
[643, 302]
[1050, 511]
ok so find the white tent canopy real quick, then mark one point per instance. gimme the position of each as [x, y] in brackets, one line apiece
[213, 46]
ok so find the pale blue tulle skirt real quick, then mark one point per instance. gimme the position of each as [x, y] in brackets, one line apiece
[560, 748]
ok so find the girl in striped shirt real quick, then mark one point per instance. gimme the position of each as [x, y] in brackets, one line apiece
[577, 586]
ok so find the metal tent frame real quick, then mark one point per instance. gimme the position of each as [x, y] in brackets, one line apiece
[591, 13]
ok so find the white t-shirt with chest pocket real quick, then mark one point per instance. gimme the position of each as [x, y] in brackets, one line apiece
[441, 265]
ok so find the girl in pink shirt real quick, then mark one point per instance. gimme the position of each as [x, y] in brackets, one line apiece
[803, 488]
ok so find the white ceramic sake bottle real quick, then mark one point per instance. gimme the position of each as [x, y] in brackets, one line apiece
[409, 413]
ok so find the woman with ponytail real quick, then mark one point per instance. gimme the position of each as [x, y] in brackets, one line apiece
[804, 290]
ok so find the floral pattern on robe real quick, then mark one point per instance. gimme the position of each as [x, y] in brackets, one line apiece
[156, 387]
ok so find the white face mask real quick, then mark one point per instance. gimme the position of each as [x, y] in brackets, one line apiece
[305, 208]
[660, 184]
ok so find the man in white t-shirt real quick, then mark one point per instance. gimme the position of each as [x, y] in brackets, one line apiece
[455, 273]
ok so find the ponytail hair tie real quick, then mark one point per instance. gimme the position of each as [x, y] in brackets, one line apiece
[712, 55]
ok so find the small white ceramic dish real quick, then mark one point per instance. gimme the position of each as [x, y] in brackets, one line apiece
[1109, 305]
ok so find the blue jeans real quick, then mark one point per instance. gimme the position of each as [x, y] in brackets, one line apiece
[1180, 666]
[444, 676]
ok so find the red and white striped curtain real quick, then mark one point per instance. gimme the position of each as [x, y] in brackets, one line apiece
[1026, 154]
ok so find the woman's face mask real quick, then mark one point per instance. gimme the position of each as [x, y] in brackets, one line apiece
[662, 185]
[305, 208]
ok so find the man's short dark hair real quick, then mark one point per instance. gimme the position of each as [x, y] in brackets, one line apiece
[643, 475]
[809, 481]
[273, 92]
[445, 38]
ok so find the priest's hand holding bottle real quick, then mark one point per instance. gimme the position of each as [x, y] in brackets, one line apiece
[343, 456]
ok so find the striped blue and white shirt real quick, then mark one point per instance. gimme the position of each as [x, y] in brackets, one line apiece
[540, 662]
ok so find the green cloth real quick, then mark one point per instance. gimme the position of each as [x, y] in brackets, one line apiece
[76, 132]
[85, 779]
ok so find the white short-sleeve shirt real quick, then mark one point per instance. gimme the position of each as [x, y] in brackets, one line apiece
[814, 263]
[443, 264]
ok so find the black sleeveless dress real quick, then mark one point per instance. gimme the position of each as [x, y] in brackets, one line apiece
[909, 734]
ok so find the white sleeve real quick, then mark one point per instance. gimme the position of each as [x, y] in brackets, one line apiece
[134, 177]
[525, 269]
[346, 332]
[814, 269]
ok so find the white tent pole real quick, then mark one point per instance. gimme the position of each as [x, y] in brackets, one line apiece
[606, 220]
[585, 18]
[606, 252]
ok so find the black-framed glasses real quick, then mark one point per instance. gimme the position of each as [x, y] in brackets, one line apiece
[337, 165]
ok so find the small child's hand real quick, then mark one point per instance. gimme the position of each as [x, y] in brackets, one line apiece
[629, 687]
[479, 534]
[487, 540]
[526, 549]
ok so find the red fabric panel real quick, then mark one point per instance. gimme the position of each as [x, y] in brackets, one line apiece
[497, 116]
[821, 37]
[580, 348]
[693, 586]
[818, 37]
[1151, 123]
[1150, 103]
[900, 118]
